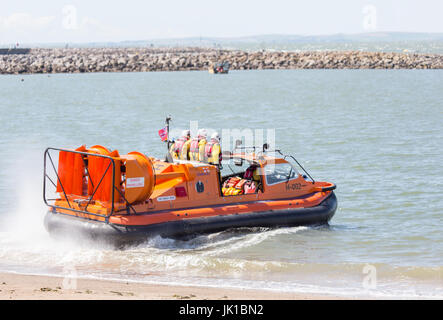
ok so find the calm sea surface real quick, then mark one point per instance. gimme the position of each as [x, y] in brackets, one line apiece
[377, 134]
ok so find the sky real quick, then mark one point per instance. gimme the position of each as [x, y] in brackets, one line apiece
[47, 21]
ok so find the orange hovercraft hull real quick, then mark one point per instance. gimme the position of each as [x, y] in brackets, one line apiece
[129, 198]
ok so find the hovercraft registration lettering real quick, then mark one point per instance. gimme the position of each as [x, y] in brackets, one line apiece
[294, 186]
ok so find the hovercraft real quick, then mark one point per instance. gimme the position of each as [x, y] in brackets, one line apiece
[128, 198]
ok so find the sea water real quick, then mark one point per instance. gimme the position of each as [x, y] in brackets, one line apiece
[377, 134]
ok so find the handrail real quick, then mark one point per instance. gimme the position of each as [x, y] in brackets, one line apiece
[95, 190]
[46, 176]
[128, 205]
[260, 153]
[58, 179]
[293, 158]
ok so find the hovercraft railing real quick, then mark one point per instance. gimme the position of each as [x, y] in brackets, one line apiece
[298, 163]
[95, 188]
[285, 156]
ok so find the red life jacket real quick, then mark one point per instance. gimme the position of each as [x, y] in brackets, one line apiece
[240, 184]
[231, 182]
[194, 145]
[179, 145]
[249, 173]
[250, 187]
[208, 148]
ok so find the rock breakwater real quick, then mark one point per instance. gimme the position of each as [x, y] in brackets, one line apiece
[181, 59]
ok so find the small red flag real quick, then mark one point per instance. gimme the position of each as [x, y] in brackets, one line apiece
[163, 133]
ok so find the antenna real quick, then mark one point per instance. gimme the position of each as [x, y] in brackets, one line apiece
[168, 119]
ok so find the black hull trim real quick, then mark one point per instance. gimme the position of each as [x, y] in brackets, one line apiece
[61, 224]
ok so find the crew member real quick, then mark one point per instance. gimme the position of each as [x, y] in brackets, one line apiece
[197, 146]
[253, 173]
[213, 150]
[252, 178]
[250, 173]
[176, 148]
[184, 146]
[202, 145]
[171, 155]
[174, 154]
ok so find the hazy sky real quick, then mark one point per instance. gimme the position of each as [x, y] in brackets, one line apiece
[112, 20]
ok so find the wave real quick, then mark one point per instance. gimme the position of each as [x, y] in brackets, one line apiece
[242, 258]
[219, 260]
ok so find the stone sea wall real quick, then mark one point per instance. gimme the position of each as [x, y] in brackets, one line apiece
[178, 59]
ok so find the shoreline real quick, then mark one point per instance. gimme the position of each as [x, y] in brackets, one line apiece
[14, 286]
[85, 60]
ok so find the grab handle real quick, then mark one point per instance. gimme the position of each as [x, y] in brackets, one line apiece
[329, 187]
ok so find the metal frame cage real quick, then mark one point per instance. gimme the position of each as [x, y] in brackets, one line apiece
[46, 177]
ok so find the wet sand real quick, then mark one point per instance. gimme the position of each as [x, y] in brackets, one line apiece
[29, 287]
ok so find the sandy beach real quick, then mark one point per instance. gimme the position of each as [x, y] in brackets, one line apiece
[31, 287]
